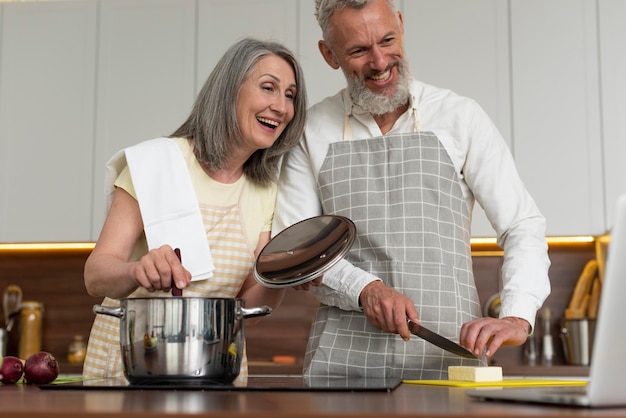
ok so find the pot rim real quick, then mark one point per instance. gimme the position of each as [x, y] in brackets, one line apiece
[168, 297]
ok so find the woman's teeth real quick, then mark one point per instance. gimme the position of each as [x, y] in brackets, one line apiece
[268, 122]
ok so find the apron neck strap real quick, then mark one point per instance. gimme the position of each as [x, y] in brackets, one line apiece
[347, 129]
[416, 120]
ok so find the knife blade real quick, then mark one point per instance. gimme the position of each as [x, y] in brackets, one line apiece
[439, 341]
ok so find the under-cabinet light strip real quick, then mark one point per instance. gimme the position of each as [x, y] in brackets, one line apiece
[45, 246]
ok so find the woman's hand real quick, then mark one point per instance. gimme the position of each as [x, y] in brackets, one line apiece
[155, 270]
[108, 271]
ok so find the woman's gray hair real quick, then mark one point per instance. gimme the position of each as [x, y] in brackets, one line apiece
[324, 9]
[212, 125]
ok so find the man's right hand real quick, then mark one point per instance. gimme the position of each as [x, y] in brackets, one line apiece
[387, 309]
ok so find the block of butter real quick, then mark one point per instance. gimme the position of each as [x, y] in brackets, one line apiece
[475, 374]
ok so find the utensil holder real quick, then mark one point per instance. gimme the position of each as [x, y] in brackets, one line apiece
[577, 336]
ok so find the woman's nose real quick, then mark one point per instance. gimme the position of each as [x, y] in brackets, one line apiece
[279, 105]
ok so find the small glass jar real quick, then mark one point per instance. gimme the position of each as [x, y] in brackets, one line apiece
[31, 321]
[77, 350]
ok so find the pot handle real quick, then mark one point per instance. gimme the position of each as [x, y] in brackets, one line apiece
[109, 310]
[254, 312]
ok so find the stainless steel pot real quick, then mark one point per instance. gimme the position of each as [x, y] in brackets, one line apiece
[181, 340]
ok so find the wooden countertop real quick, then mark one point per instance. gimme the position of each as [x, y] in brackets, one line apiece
[406, 401]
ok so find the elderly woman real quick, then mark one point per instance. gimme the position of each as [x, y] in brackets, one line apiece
[249, 113]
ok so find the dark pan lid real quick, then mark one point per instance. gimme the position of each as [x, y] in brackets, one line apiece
[304, 251]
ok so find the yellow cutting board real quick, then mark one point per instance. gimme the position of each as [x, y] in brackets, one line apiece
[500, 383]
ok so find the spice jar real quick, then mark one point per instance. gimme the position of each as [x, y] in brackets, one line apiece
[31, 321]
[77, 350]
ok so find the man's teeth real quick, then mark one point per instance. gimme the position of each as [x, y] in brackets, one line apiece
[270, 123]
[382, 76]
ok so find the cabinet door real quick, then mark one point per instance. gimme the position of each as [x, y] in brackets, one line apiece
[46, 120]
[146, 69]
[556, 112]
[613, 71]
[463, 46]
[222, 22]
[322, 81]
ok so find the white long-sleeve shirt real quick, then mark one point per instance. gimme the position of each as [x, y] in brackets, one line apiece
[486, 171]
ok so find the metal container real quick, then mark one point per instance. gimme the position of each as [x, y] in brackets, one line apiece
[3, 342]
[577, 336]
[181, 340]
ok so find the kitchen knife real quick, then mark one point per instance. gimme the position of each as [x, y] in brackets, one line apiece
[439, 341]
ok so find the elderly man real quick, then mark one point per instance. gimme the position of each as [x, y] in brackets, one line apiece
[406, 162]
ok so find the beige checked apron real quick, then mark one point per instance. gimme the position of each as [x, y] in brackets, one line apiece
[413, 232]
[233, 261]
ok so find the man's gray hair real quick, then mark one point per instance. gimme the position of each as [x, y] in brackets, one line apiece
[324, 9]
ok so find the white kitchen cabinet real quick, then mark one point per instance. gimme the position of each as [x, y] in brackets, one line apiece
[613, 71]
[47, 70]
[556, 111]
[222, 22]
[322, 81]
[146, 78]
[539, 85]
[79, 80]
[463, 46]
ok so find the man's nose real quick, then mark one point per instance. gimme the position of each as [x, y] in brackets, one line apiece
[377, 59]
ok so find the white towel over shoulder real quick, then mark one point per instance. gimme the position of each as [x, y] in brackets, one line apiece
[167, 201]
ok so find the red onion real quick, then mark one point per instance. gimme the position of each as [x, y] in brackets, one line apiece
[41, 368]
[11, 370]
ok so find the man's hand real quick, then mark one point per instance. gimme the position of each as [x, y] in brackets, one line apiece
[388, 309]
[489, 334]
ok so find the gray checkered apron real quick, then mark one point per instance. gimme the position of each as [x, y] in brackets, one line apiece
[413, 227]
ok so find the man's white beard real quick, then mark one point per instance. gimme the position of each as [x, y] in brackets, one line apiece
[378, 104]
